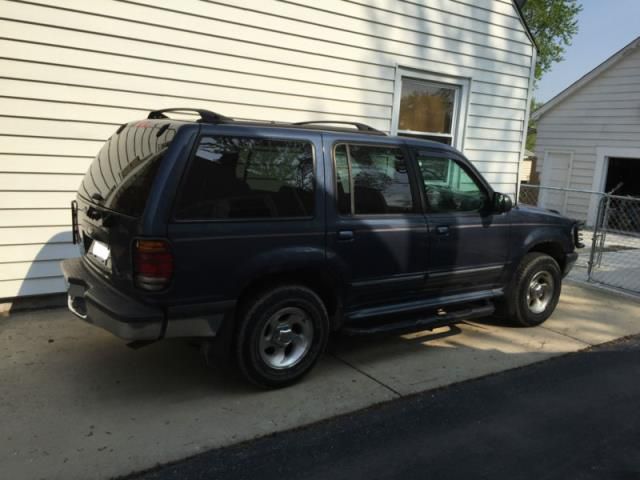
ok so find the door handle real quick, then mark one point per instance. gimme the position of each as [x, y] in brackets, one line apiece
[442, 230]
[345, 235]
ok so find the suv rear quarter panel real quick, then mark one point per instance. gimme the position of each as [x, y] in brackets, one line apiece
[117, 229]
[216, 259]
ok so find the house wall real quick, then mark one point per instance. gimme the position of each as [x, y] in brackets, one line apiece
[603, 114]
[74, 70]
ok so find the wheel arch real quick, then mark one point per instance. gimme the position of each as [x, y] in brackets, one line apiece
[550, 240]
[325, 284]
[552, 248]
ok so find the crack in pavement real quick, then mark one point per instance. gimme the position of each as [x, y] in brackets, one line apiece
[382, 384]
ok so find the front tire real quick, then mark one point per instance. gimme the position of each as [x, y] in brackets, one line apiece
[281, 335]
[535, 291]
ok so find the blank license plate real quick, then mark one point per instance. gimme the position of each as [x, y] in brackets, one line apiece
[100, 250]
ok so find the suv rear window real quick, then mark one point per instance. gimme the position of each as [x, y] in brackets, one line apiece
[243, 177]
[121, 175]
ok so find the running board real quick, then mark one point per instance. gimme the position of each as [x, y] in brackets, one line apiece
[421, 305]
[429, 322]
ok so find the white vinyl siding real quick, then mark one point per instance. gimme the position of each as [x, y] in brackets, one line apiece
[602, 113]
[73, 71]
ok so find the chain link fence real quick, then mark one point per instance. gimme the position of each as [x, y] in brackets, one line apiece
[615, 252]
[612, 232]
[581, 205]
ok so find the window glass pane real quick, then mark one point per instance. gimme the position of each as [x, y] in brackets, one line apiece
[380, 180]
[448, 186]
[234, 177]
[124, 170]
[426, 107]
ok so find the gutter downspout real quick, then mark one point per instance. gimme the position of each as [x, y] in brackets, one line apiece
[523, 142]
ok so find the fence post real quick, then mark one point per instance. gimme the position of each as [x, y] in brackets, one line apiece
[596, 236]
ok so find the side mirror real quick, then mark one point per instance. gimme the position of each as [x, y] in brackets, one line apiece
[501, 203]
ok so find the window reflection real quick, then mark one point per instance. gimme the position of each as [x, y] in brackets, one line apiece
[376, 176]
[448, 186]
[426, 110]
[239, 177]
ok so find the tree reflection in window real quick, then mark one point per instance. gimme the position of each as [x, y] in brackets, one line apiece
[242, 177]
[376, 176]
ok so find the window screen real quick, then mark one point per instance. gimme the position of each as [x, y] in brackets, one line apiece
[372, 180]
[239, 177]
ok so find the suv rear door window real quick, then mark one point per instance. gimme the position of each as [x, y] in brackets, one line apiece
[242, 177]
[121, 175]
[372, 180]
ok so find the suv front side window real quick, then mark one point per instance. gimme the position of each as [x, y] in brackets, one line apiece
[372, 180]
[448, 186]
[243, 178]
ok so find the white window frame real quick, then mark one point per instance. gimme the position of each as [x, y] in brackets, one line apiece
[460, 104]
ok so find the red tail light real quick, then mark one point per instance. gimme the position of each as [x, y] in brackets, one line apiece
[152, 264]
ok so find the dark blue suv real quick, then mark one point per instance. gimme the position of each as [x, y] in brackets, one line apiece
[264, 238]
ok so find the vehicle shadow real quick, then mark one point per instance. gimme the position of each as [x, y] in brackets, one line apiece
[83, 367]
[102, 369]
[100, 365]
[176, 368]
[339, 342]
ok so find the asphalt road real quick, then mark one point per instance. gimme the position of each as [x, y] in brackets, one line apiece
[574, 417]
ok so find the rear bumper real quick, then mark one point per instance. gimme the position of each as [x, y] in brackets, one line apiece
[570, 261]
[95, 301]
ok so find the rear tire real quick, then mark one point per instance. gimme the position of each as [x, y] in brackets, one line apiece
[534, 293]
[282, 333]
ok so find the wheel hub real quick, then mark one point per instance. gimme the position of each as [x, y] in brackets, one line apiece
[286, 338]
[283, 335]
[540, 291]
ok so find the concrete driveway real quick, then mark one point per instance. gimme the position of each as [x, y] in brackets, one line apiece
[77, 403]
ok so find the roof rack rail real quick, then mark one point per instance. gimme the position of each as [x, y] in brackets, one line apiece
[205, 115]
[360, 126]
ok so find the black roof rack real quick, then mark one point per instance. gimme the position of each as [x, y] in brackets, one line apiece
[213, 117]
[360, 126]
[205, 115]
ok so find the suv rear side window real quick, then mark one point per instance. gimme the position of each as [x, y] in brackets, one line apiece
[372, 180]
[241, 177]
[121, 175]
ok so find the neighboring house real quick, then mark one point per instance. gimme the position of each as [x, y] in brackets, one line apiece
[589, 136]
[528, 172]
[73, 71]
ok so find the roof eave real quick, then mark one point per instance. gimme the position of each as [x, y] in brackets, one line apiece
[586, 78]
[518, 5]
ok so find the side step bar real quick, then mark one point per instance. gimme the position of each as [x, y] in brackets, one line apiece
[430, 321]
[418, 306]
